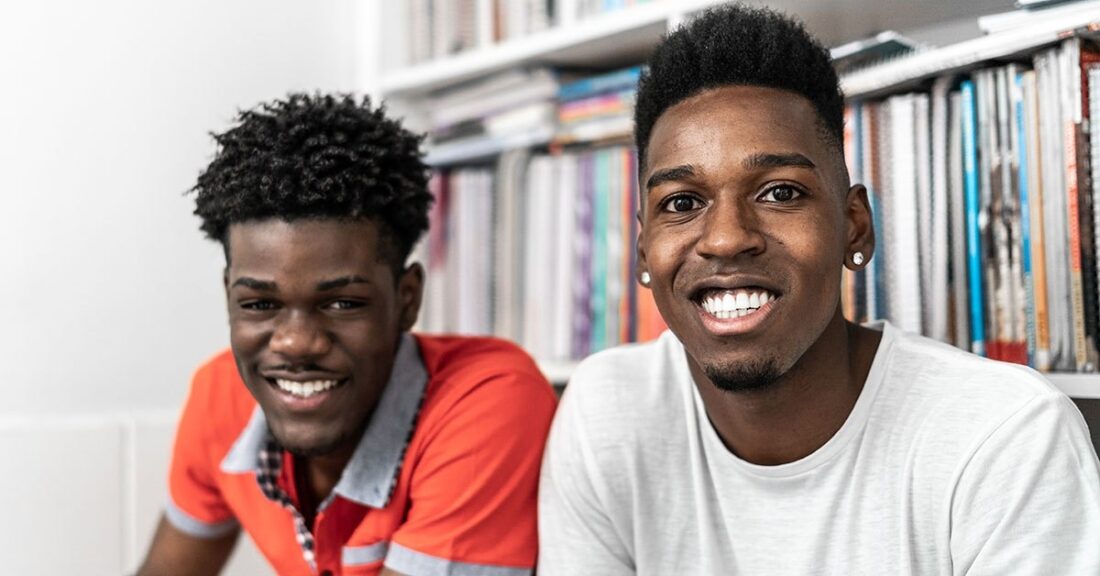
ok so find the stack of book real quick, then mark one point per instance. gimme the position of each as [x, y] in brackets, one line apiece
[599, 107]
[517, 107]
[985, 196]
[555, 269]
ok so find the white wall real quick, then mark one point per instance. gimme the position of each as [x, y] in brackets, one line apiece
[109, 295]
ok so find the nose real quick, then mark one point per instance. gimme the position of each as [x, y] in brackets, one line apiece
[299, 336]
[731, 227]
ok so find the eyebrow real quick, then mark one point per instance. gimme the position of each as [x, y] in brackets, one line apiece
[757, 161]
[260, 285]
[323, 286]
[673, 174]
[341, 282]
[754, 162]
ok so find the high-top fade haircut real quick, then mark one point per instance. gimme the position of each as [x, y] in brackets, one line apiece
[735, 45]
[318, 156]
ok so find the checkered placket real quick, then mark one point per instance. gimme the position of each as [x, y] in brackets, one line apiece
[271, 462]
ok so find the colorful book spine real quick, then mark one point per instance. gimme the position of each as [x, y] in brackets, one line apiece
[1024, 179]
[1034, 186]
[1093, 71]
[599, 250]
[973, 234]
[1070, 127]
[626, 78]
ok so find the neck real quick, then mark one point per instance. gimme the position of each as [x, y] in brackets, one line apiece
[804, 408]
[316, 477]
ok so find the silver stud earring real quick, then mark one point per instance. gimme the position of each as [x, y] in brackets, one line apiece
[645, 278]
[857, 258]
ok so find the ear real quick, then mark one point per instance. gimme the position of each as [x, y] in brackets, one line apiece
[410, 295]
[860, 227]
[640, 264]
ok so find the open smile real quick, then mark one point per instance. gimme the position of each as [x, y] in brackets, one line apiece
[299, 394]
[734, 311]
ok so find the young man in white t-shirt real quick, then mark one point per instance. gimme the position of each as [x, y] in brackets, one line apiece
[765, 434]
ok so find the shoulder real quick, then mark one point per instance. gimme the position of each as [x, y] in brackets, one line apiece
[218, 398]
[631, 373]
[938, 391]
[470, 358]
[963, 378]
[625, 398]
[487, 371]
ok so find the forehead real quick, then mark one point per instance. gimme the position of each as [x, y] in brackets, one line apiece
[303, 244]
[717, 125]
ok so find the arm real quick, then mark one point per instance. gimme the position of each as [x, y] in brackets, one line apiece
[176, 553]
[1028, 501]
[473, 492]
[576, 534]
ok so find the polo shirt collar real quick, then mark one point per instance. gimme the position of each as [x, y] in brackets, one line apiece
[371, 474]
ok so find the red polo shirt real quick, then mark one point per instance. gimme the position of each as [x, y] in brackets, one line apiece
[443, 481]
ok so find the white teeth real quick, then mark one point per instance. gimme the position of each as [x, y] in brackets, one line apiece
[735, 303]
[305, 389]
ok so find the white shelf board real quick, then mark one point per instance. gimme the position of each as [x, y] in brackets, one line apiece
[617, 37]
[557, 371]
[925, 64]
[1081, 386]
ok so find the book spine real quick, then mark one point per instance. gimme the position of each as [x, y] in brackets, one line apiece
[1093, 72]
[1041, 358]
[614, 81]
[973, 234]
[1070, 126]
[1085, 186]
[599, 251]
[960, 308]
[1024, 179]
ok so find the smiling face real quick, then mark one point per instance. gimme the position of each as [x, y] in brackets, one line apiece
[746, 224]
[315, 317]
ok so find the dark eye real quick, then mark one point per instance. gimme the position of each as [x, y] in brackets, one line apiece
[345, 304]
[780, 194]
[682, 203]
[258, 305]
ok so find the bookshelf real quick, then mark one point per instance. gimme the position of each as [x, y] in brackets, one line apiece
[624, 37]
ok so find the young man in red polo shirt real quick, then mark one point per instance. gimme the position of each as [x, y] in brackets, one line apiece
[339, 441]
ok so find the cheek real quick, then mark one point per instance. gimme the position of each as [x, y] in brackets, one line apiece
[247, 337]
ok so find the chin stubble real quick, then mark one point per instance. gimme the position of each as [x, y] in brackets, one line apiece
[744, 376]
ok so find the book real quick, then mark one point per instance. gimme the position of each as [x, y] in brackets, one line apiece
[959, 271]
[1032, 183]
[936, 294]
[1093, 72]
[973, 233]
[1070, 62]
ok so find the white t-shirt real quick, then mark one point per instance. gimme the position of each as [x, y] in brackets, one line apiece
[948, 464]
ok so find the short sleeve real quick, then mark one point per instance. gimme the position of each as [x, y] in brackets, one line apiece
[473, 492]
[576, 535]
[195, 505]
[1028, 501]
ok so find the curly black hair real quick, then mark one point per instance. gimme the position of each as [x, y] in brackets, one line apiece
[318, 156]
[738, 45]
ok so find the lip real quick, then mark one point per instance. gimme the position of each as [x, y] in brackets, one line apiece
[732, 282]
